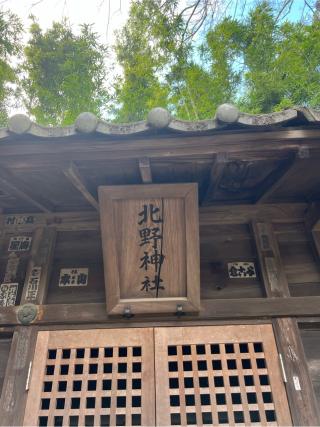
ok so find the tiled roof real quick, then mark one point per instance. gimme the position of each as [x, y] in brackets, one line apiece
[227, 116]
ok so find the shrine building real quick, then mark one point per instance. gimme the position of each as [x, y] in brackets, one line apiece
[162, 272]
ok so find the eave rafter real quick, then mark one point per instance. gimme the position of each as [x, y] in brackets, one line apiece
[216, 173]
[277, 178]
[73, 175]
[16, 188]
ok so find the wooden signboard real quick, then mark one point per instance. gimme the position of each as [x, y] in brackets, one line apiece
[150, 239]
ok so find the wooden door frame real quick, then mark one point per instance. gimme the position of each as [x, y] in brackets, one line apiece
[87, 339]
[13, 398]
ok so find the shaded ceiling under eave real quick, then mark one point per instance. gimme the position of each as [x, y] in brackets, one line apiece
[235, 158]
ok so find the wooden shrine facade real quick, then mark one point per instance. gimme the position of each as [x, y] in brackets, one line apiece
[239, 346]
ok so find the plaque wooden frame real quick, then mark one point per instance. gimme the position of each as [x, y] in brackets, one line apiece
[190, 302]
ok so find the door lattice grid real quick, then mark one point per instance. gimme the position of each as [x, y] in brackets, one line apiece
[219, 384]
[91, 385]
[219, 376]
[210, 375]
[95, 385]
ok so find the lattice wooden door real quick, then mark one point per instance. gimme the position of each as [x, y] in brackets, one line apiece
[220, 375]
[96, 377]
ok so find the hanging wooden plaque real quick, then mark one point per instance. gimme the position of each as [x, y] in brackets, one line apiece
[150, 239]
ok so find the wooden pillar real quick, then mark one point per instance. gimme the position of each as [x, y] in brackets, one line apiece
[303, 404]
[39, 267]
[316, 238]
[301, 397]
[312, 222]
[271, 268]
[315, 232]
[14, 391]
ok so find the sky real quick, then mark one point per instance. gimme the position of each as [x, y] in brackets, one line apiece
[105, 15]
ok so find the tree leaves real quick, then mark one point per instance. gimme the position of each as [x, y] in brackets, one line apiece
[258, 61]
[10, 45]
[64, 74]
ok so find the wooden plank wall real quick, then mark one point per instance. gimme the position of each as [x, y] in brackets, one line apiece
[77, 249]
[300, 264]
[311, 344]
[219, 244]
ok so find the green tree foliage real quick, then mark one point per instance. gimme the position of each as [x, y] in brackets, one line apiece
[264, 65]
[259, 62]
[145, 49]
[158, 68]
[65, 73]
[10, 39]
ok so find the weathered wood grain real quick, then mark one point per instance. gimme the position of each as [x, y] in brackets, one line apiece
[238, 141]
[216, 173]
[303, 404]
[271, 267]
[211, 309]
[145, 170]
[208, 215]
[177, 205]
[274, 180]
[13, 397]
[311, 345]
[74, 176]
[5, 344]
[41, 257]
[16, 188]
[178, 337]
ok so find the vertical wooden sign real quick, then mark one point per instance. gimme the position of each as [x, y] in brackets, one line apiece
[150, 239]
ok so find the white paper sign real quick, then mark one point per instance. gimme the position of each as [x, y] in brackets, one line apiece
[296, 383]
[19, 219]
[73, 277]
[241, 270]
[33, 284]
[8, 294]
[20, 244]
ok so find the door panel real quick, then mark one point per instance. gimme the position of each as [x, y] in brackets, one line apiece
[211, 375]
[92, 377]
[219, 375]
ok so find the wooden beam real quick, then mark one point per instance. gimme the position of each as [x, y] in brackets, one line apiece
[145, 170]
[36, 285]
[216, 174]
[242, 145]
[312, 222]
[274, 277]
[269, 184]
[209, 215]
[211, 309]
[244, 214]
[312, 218]
[73, 175]
[171, 145]
[316, 240]
[302, 401]
[277, 178]
[13, 397]
[13, 186]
